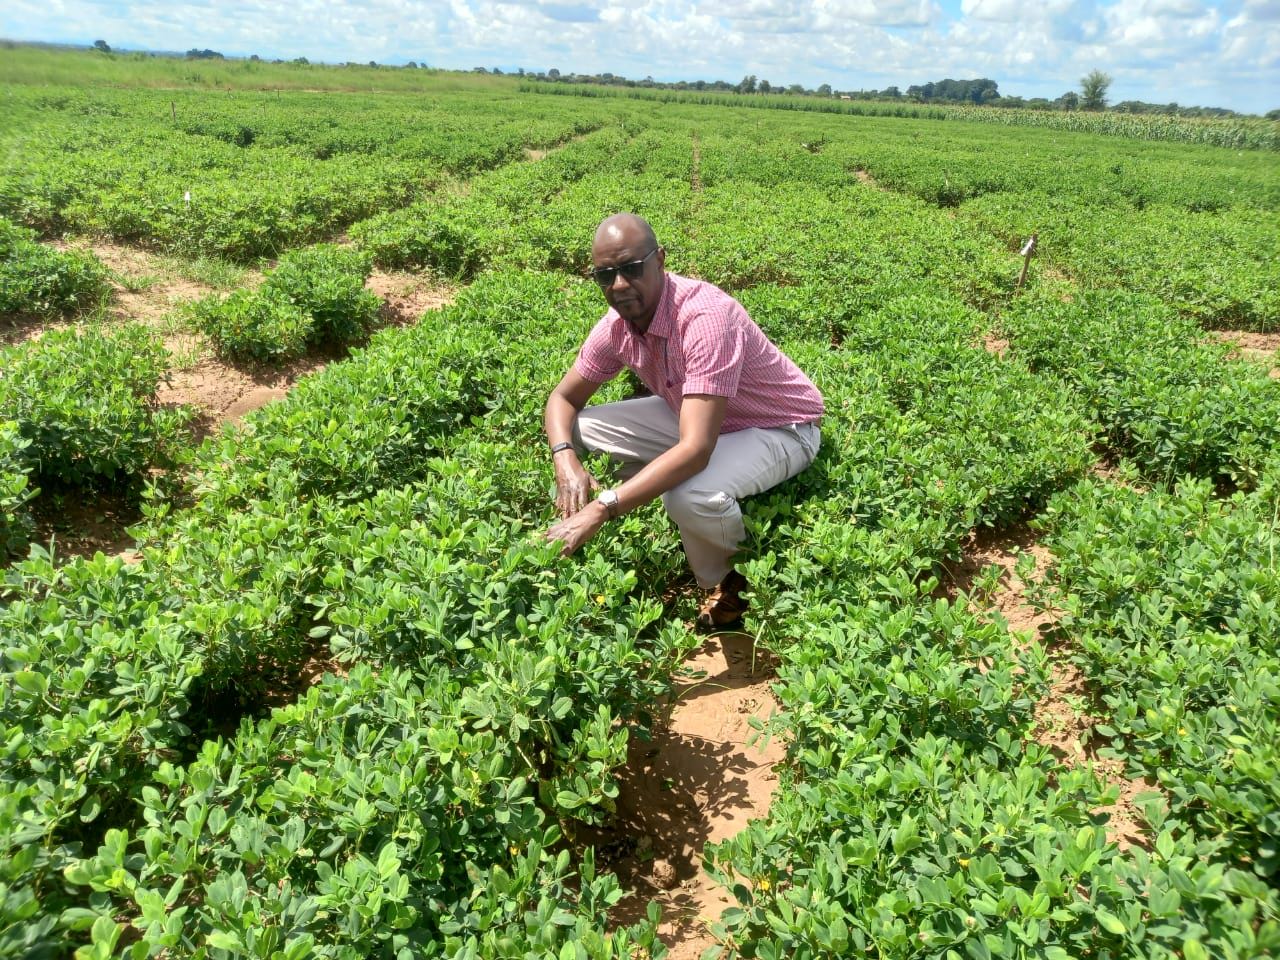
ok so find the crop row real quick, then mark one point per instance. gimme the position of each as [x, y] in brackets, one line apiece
[1160, 393]
[919, 817]
[1219, 269]
[117, 671]
[40, 281]
[313, 295]
[785, 231]
[1235, 134]
[78, 410]
[1172, 597]
[247, 178]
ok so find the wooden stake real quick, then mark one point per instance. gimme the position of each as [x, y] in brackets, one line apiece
[1028, 249]
[173, 109]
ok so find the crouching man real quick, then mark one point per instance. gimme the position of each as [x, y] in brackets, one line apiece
[730, 415]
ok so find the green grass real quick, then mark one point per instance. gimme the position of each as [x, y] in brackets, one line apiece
[21, 64]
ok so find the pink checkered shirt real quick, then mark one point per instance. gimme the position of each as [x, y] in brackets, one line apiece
[702, 341]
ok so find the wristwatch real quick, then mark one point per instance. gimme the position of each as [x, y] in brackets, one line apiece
[610, 500]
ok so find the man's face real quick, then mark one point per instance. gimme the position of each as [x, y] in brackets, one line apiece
[635, 298]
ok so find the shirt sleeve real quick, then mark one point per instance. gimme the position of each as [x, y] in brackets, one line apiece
[714, 350]
[598, 361]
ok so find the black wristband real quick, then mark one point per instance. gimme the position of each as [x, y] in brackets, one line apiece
[563, 445]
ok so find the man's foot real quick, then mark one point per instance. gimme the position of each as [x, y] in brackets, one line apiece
[723, 607]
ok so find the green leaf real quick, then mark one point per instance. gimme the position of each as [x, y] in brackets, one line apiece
[91, 807]
[224, 940]
[1109, 921]
[32, 682]
[906, 837]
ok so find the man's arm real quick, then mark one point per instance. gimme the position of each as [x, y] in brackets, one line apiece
[573, 484]
[701, 416]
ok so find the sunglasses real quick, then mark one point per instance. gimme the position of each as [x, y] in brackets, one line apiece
[632, 271]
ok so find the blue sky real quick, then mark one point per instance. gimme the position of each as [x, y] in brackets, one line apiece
[1207, 52]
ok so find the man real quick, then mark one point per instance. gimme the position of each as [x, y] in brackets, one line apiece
[730, 415]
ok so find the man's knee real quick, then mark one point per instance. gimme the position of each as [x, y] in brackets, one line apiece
[690, 502]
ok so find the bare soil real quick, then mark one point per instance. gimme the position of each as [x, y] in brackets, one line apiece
[407, 296]
[75, 525]
[698, 781]
[1250, 345]
[1249, 340]
[1064, 721]
[866, 179]
[223, 392]
[994, 344]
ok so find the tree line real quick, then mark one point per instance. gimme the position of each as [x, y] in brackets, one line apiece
[981, 91]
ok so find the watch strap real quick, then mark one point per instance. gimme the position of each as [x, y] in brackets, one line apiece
[562, 445]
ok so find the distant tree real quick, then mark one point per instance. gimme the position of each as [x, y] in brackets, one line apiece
[893, 93]
[373, 63]
[1069, 101]
[748, 84]
[553, 74]
[1093, 90]
[411, 65]
[764, 86]
[194, 54]
[496, 70]
[300, 62]
[1273, 114]
[797, 90]
[824, 90]
[254, 58]
[101, 45]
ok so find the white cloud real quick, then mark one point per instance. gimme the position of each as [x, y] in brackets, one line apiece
[1174, 8]
[1002, 11]
[885, 13]
[1262, 10]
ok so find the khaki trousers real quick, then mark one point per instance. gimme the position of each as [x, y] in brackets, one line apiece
[704, 507]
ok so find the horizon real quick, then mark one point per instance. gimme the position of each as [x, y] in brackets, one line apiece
[1190, 52]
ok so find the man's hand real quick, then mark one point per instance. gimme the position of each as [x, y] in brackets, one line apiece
[574, 485]
[576, 530]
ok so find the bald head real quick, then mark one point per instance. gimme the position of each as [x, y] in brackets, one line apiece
[627, 229]
[626, 242]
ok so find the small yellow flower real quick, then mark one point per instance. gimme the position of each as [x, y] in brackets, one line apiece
[1182, 731]
[765, 885]
[514, 850]
[600, 599]
[963, 861]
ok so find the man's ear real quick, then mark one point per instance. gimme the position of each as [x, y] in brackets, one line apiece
[662, 256]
